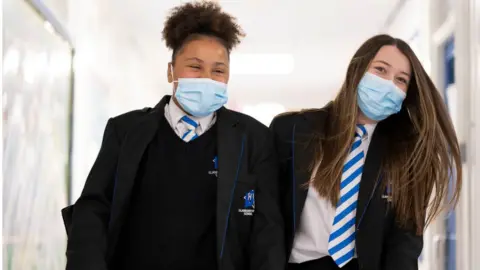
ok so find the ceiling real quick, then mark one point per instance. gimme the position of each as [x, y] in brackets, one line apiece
[321, 36]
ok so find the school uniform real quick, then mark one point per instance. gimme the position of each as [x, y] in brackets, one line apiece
[379, 244]
[170, 191]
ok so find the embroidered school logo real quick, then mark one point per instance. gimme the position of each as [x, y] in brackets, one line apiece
[248, 204]
[249, 199]
[215, 167]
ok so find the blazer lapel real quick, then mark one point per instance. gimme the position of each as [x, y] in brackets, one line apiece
[371, 172]
[133, 148]
[230, 140]
[303, 154]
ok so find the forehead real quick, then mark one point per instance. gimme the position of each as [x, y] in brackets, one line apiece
[393, 56]
[206, 49]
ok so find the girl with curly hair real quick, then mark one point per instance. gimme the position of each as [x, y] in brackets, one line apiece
[188, 184]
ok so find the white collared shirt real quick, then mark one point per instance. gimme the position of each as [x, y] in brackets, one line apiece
[316, 222]
[174, 114]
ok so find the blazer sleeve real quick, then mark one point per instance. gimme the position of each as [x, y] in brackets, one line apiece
[267, 250]
[87, 239]
[402, 249]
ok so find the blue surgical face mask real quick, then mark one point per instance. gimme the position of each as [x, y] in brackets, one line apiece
[379, 98]
[201, 96]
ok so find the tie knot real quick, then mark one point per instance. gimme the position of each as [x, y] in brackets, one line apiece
[189, 122]
[360, 131]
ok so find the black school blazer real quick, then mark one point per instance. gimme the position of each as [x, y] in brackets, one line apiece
[380, 243]
[247, 161]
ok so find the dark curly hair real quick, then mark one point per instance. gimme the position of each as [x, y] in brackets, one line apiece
[192, 20]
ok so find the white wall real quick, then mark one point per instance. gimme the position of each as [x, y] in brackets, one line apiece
[110, 79]
[412, 25]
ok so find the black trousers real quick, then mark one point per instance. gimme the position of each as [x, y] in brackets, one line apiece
[325, 263]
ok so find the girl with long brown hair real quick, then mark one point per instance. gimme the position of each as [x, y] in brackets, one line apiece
[366, 174]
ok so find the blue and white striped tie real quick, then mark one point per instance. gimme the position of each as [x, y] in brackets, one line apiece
[341, 245]
[191, 125]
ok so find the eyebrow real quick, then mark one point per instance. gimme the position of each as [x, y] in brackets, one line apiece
[194, 58]
[387, 64]
[201, 61]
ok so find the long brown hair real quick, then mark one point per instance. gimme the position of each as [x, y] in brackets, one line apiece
[420, 159]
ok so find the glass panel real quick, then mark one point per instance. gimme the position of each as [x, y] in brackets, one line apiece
[36, 106]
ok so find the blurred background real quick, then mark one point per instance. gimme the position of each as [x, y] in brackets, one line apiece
[69, 65]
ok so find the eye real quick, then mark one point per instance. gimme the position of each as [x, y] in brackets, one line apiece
[402, 80]
[219, 71]
[194, 67]
[381, 69]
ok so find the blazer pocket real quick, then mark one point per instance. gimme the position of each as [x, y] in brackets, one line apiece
[245, 196]
[244, 208]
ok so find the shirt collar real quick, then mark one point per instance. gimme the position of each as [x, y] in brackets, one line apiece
[370, 129]
[176, 115]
